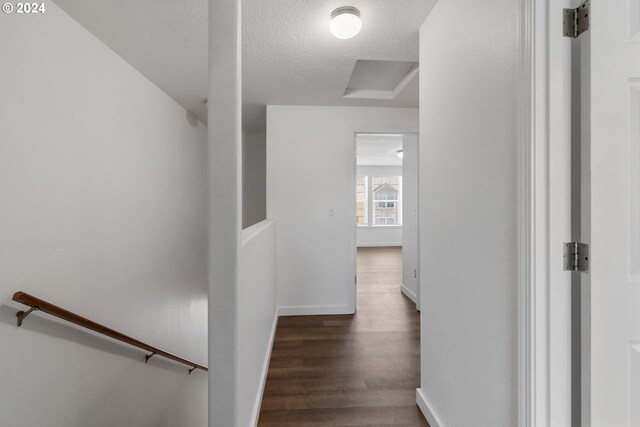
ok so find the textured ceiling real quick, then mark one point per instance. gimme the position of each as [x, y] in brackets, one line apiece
[379, 75]
[291, 58]
[289, 55]
[378, 150]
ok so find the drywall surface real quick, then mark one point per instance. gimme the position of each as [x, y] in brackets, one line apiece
[225, 210]
[390, 235]
[468, 201]
[103, 194]
[257, 316]
[254, 178]
[379, 236]
[310, 192]
[410, 244]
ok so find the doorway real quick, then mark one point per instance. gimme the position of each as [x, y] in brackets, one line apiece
[386, 209]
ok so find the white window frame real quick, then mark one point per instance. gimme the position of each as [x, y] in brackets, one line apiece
[367, 202]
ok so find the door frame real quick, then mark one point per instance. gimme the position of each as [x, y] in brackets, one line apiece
[544, 214]
[353, 172]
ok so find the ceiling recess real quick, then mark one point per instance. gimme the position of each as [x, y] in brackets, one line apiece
[373, 79]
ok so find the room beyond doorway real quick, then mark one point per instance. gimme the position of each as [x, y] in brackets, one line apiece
[386, 200]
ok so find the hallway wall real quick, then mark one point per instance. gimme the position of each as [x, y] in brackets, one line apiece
[103, 212]
[410, 219]
[468, 207]
[254, 178]
[310, 153]
[257, 316]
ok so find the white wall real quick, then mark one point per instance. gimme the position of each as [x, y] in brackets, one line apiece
[103, 195]
[468, 201]
[254, 178]
[390, 235]
[379, 236]
[257, 316]
[410, 219]
[225, 210]
[310, 169]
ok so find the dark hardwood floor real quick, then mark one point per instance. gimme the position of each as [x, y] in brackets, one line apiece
[359, 370]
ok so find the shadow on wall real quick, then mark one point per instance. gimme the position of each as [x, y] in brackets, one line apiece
[193, 121]
[51, 327]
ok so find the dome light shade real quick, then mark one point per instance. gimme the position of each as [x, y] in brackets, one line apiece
[345, 22]
[400, 153]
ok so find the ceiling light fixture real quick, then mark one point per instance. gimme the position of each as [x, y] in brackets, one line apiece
[345, 22]
[400, 153]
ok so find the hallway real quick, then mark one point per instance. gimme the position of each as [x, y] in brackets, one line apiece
[359, 370]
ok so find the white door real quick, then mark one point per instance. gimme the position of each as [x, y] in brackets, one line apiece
[615, 205]
[410, 237]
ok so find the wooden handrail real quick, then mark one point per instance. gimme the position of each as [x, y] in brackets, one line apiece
[37, 304]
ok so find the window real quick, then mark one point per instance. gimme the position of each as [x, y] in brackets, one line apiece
[380, 195]
[385, 221]
[386, 200]
[362, 196]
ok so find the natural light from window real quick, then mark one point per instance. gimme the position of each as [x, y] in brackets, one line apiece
[382, 197]
[361, 200]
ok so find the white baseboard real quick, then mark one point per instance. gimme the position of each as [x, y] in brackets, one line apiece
[378, 245]
[428, 412]
[314, 310]
[265, 370]
[409, 294]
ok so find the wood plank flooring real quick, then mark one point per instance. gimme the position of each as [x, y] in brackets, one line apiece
[359, 370]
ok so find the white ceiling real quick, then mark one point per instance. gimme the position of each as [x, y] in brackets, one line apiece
[378, 150]
[379, 75]
[289, 55]
[166, 40]
[291, 58]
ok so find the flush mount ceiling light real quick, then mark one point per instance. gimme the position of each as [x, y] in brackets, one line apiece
[400, 153]
[345, 22]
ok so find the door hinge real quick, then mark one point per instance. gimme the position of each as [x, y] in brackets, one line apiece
[576, 257]
[576, 21]
[355, 279]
